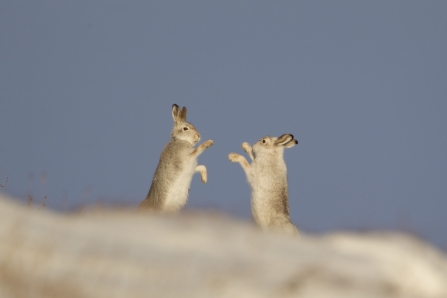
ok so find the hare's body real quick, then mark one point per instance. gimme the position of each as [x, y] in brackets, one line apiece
[269, 193]
[267, 177]
[171, 193]
[178, 163]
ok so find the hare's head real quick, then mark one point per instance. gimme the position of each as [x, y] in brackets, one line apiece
[273, 145]
[183, 130]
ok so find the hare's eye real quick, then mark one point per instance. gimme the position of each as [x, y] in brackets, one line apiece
[185, 128]
[263, 141]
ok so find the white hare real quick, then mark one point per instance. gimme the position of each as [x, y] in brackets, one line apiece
[178, 163]
[267, 176]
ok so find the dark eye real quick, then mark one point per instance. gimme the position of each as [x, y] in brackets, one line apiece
[263, 141]
[185, 128]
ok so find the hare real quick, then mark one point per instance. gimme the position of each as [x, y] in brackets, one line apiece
[267, 176]
[178, 163]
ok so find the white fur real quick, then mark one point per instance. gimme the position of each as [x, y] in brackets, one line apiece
[178, 193]
[267, 177]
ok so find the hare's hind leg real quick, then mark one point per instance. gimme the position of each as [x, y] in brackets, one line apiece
[291, 229]
[247, 148]
[203, 173]
[202, 147]
[284, 225]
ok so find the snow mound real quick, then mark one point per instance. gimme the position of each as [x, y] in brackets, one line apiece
[202, 254]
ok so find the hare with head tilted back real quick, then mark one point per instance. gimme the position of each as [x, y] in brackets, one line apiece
[267, 176]
[178, 163]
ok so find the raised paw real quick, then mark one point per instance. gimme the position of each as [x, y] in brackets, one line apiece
[246, 146]
[233, 157]
[208, 143]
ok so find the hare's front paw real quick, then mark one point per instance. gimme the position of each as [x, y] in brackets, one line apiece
[208, 143]
[246, 146]
[233, 157]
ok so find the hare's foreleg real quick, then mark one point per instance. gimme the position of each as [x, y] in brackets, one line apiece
[203, 173]
[199, 150]
[247, 148]
[234, 157]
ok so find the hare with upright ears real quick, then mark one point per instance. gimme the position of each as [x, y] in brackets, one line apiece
[267, 176]
[178, 163]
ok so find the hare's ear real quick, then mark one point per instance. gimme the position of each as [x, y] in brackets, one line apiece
[183, 114]
[291, 143]
[175, 113]
[284, 139]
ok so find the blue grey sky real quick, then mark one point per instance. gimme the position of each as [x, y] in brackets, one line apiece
[86, 89]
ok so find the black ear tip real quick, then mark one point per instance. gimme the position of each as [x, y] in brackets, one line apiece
[291, 135]
[174, 105]
[296, 141]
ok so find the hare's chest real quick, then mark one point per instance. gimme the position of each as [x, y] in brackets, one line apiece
[268, 184]
[260, 207]
[266, 174]
[178, 193]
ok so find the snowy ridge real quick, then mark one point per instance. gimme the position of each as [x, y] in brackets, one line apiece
[202, 254]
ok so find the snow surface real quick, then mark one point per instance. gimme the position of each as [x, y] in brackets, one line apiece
[113, 253]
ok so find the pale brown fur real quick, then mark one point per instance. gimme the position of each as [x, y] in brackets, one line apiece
[178, 163]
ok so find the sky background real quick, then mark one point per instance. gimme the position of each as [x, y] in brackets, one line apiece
[86, 89]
